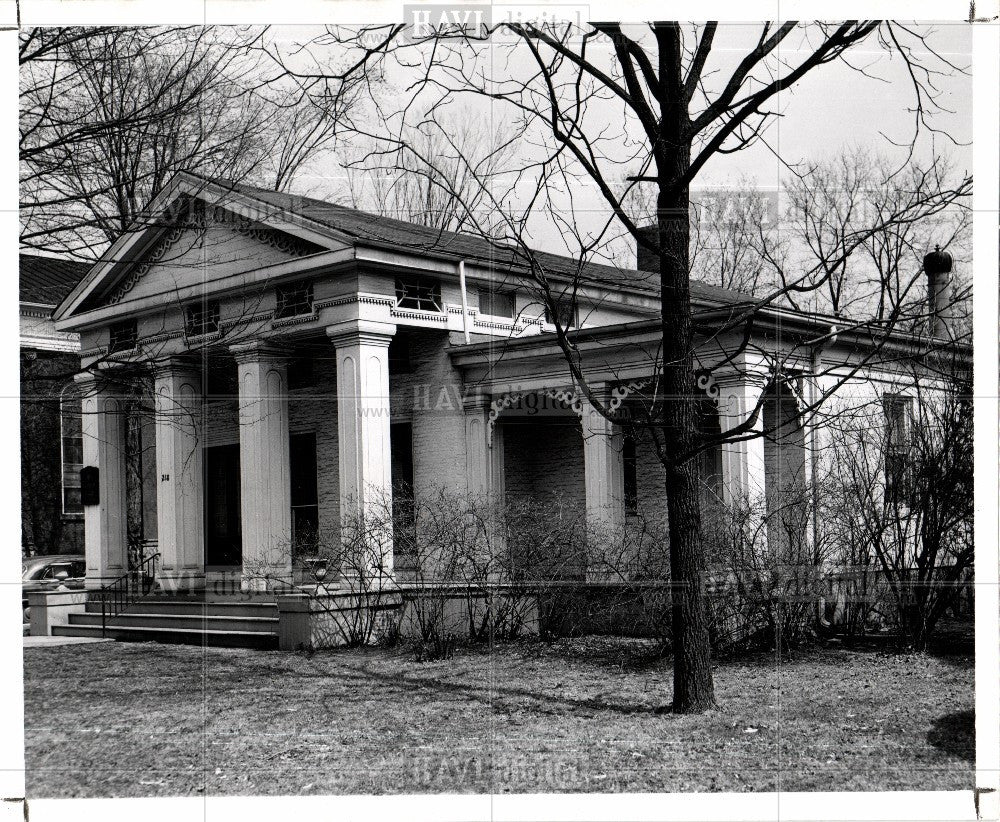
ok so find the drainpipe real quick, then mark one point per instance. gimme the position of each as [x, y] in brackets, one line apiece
[816, 365]
[465, 301]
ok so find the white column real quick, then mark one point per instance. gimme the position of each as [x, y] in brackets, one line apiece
[483, 453]
[365, 458]
[265, 484]
[742, 461]
[484, 469]
[180, 501]
[104, 448]
[604, 484]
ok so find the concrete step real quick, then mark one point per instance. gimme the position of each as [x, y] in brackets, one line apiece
[201, 622]
[173, 607]
[178, 636]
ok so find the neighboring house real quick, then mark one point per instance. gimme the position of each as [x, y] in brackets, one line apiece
[308, 359]
[51, 432]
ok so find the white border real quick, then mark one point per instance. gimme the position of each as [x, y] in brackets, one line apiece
[11, 670]
[832, 806]
[986, 254]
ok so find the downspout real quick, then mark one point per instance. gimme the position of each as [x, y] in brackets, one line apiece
[465, 301]
[816, 365]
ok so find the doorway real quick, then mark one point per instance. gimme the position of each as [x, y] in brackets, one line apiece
[223, 532]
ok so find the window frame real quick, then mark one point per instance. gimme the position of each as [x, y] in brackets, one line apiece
[492, 294]
[897, 417]
[416, 302]
[207, 326]
[116, 343]
[69, 470]
[572, 306]
[286, 308]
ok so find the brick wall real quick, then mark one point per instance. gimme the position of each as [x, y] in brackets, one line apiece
[543, 457]
[430, 398]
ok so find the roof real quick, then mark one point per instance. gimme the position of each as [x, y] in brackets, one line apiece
[373, 229]
[47, 280]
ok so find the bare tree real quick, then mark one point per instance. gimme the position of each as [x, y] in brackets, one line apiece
[394, 179]
[835, 203]
[662, 101]
[108, 116]
[734, 233]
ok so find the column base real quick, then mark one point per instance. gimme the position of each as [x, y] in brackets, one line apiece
[96, 583]
[273, 579]
[175, 582]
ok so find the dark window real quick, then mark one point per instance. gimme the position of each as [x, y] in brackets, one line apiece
[403, 515]
[304, 494]
[419, 293]
[496, 303]
[567, 313]
[631, 483]
[897, 447]
[221, 380]
[711, 458]
[399, 354]
[124, 336]
[301, 373]
[294, 299]
[201, 318]
[71, 425]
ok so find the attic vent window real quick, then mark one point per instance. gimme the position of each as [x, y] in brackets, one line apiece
[419, 293]
[201, 318]
[496, 303]
[567, 313]
[294, 299]
[124, 336]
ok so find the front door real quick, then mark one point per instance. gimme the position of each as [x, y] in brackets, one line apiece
[223, 534]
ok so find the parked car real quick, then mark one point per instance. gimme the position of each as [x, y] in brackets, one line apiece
[50, 573]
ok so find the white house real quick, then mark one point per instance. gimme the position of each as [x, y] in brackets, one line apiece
[306, 358]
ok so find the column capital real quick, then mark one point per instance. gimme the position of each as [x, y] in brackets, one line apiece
[731, 379]
[370, 332]
[165, 366]
[257, 350]
[99, 382]
[476, 402]
[86, 380]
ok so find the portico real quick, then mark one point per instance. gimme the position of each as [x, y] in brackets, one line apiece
[290, 364]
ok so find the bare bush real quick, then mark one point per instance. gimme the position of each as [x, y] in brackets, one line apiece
[764, 575]
[900, 509]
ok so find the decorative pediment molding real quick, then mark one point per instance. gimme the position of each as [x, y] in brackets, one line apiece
[139, 271]
[196, 215]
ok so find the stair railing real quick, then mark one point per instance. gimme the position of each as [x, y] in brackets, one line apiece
[128, 589]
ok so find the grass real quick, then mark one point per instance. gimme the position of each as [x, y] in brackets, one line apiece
[120, 719]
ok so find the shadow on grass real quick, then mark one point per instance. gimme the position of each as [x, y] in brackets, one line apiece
[498, 697]
[955, 733]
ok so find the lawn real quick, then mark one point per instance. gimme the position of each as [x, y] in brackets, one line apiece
[120, 719]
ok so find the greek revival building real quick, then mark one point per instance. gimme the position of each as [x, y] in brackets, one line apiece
[303, 362]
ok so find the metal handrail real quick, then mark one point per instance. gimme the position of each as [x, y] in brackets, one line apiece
[128, 589]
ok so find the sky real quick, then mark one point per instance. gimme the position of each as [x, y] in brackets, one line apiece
[833, 109]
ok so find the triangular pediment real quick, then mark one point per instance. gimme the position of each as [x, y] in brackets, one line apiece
[192, 244]
[200, 235]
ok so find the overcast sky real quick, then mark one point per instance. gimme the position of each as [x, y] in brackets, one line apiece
[832, 109]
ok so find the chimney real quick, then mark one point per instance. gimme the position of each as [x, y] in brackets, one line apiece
[937, 266]
[646, 259]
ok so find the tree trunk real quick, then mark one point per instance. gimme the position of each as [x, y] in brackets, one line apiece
[694, 690]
